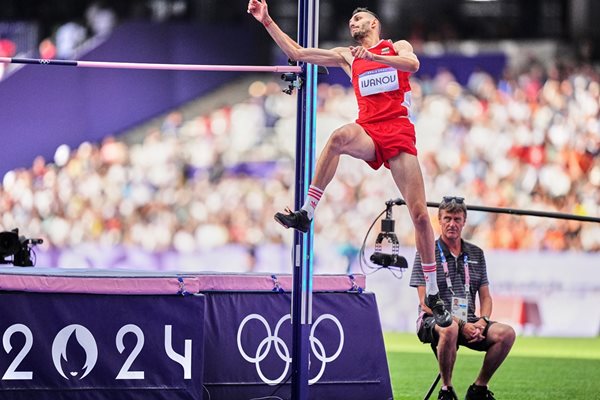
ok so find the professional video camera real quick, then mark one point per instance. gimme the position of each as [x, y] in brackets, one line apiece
[17, 247]
[391, 258]
[387, 247]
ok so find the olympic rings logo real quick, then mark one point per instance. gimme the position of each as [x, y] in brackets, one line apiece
[263, 349]
[44, 61]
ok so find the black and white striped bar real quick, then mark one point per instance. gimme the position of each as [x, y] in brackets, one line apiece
[154, 66]
[512, 211]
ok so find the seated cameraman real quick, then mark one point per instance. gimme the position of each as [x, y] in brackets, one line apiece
[463, 276]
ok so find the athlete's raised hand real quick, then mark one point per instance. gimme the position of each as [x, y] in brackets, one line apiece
[259, 10]
[361, 52]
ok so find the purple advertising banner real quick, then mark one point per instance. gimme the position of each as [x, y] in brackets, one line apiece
[248, 347]
[85, 346]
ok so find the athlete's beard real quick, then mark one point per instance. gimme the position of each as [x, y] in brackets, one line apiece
[359, 34]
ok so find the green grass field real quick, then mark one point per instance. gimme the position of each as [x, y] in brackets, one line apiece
[536, 368]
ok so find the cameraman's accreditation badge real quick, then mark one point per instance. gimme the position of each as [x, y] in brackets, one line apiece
[378, 81]
[459, 308]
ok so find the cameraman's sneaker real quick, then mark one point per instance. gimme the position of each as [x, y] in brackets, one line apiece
[447, 394]
[440, 314]
[294, 219]
[479, 393]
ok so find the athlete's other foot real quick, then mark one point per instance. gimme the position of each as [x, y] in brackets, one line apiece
[440, 314]
[294, 219]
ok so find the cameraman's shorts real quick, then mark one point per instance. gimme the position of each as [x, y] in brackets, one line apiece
[427, 334]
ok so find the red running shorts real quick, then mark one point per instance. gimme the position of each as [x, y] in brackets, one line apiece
[391, 138]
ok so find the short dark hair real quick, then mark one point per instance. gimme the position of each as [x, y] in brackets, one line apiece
[453, 204]
[364, 9]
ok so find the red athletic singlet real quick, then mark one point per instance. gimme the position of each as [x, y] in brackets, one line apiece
[380, 89]
[383, 96]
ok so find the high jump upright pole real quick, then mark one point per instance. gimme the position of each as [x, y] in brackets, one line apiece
[308, 17]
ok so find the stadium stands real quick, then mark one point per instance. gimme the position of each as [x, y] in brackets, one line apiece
[528, 141]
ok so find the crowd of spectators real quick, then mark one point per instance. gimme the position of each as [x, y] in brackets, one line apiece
[76, 28]
[65, 40]
[530, 140]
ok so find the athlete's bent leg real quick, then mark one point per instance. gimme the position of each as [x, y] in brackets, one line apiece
[350, 139]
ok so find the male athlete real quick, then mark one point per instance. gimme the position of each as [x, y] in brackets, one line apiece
[382, 134]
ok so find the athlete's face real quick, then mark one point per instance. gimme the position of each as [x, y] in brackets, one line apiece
[360, 25]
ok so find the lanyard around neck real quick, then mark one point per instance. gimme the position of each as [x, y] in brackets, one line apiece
[447, 272]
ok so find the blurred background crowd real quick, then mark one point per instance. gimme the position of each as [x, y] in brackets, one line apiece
[529, 141]
[198, 179]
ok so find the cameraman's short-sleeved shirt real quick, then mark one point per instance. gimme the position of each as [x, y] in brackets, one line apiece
[477, 272]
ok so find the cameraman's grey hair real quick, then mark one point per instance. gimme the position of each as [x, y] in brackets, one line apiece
[453, 204]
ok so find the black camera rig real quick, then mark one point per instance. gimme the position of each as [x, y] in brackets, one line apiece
[17, 250]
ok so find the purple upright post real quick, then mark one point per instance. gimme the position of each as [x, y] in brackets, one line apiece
[305, 161]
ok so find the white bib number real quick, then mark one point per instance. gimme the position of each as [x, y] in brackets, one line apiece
[378, 81]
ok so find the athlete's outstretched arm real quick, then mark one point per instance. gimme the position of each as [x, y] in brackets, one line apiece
[406, 60]
[328, 58]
